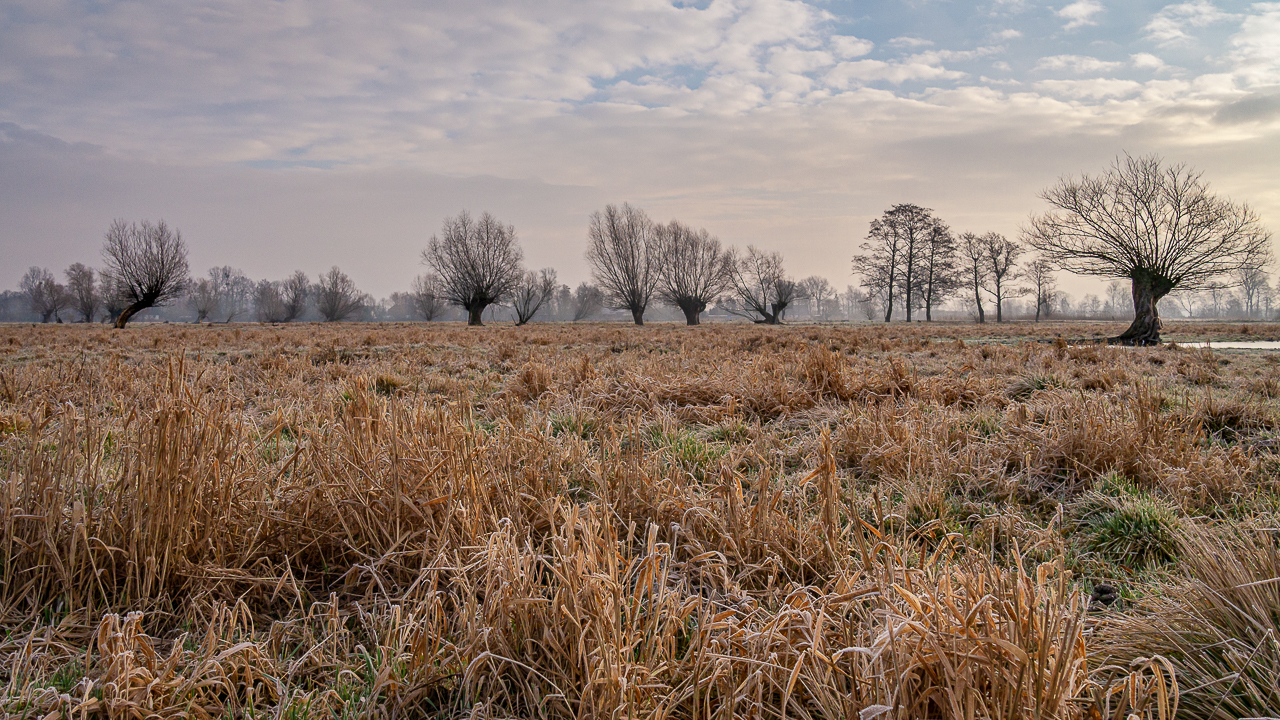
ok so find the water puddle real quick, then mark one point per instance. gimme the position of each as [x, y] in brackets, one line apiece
[1237, 345]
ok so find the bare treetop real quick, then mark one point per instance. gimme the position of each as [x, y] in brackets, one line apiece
[1158, 225]
[622, 252]
[147, 265]
[478, 262]
[693, 268]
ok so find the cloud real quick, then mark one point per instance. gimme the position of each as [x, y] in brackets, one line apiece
[1076, 64]
[1261, 106]
[910, 42]
[1079, 13]
[1147, 61]
[1255, 51]
[1169, 26]
[1008, 34]
[1092, 89]
[847, 46]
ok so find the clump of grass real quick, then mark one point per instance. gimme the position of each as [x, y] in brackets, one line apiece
[1027, 385]
[1132, 531]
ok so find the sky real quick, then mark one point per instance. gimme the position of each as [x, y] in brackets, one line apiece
[279, 135]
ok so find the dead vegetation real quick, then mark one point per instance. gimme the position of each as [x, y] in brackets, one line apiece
[569, 521]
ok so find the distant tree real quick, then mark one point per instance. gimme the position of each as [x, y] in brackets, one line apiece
[976, 267]
[588, 301]
[692, 268]
[337, 297]
[478, 262]
[761, 287]
[1157, 226]
[268, 302]
[82, 288]
[147, 265]
[1043, 286]
[1117, 299]
[893, 261]
[939, 269]
[621, 250]
[1002, 269]
[1254, 284]
[46, 295]
[818, 291]
[113, 300]
[235, 292]
[203, 298]
[533, 293]
[296, 290]
[427, 297]
[562, 303]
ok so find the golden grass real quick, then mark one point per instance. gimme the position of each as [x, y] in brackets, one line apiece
[598, 521]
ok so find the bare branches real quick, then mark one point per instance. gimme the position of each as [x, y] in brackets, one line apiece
[478, 262]
[45, 294]
[337, 297]
[533, 292]
[83, 291]
[588, 301]
[621, 250]
[909, 253]
[147, 265]
[1157, 225]
[1001, 257]
[427, 297]
[761, 286]
[693, 268]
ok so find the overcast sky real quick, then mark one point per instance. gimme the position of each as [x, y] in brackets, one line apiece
[281, 135]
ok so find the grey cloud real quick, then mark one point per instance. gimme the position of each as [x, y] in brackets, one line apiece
[1261, 106]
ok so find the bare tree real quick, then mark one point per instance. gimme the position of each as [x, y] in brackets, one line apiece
[533, 292]
[427, 298]
[761, 286]
[147, 264]
[622, 252]
[296, 290]
[268, 302]
[46, 295]
[819, 292]
[976, 268]
[588, 300]
[337, 297]
[113, 300]
[894, 255]
[235, 292]
[693, 269]
[1253, 283]
[1002, 269]
[1043, 285]
[83, 291]
[939, 273]
[203, 299]
[478, 262]
[1158, 226]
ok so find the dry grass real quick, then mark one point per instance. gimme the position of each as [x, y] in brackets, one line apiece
[595, 521]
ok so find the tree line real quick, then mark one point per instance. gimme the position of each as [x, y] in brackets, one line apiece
[1154, 225]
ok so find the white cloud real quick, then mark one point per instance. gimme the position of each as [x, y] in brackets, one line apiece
[1079, 13]
[847, 46]
[1147, 61]
[1076, 64]
[1001, 65]
[910, 42]
[1092, 89]
[1256, 48]
[1008, 34]
[1169, 26]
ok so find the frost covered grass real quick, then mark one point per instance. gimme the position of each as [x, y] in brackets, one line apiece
[605, 521]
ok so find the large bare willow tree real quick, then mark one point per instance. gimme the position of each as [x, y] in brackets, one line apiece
[478, 262]
[694, 270]
[146, 266]
[761, 286]
[622, 252]
[1157, 225]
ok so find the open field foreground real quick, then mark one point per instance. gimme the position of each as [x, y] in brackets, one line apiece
[601, 521]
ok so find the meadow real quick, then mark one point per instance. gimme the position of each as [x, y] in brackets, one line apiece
[604, 521]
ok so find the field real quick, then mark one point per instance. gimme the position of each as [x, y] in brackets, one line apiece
[603, 521]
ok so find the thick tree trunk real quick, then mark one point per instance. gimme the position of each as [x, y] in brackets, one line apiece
[125, 315]
[474, 315]
[692, 309]
[977, 299]
[637, 314]
[1145, 328]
